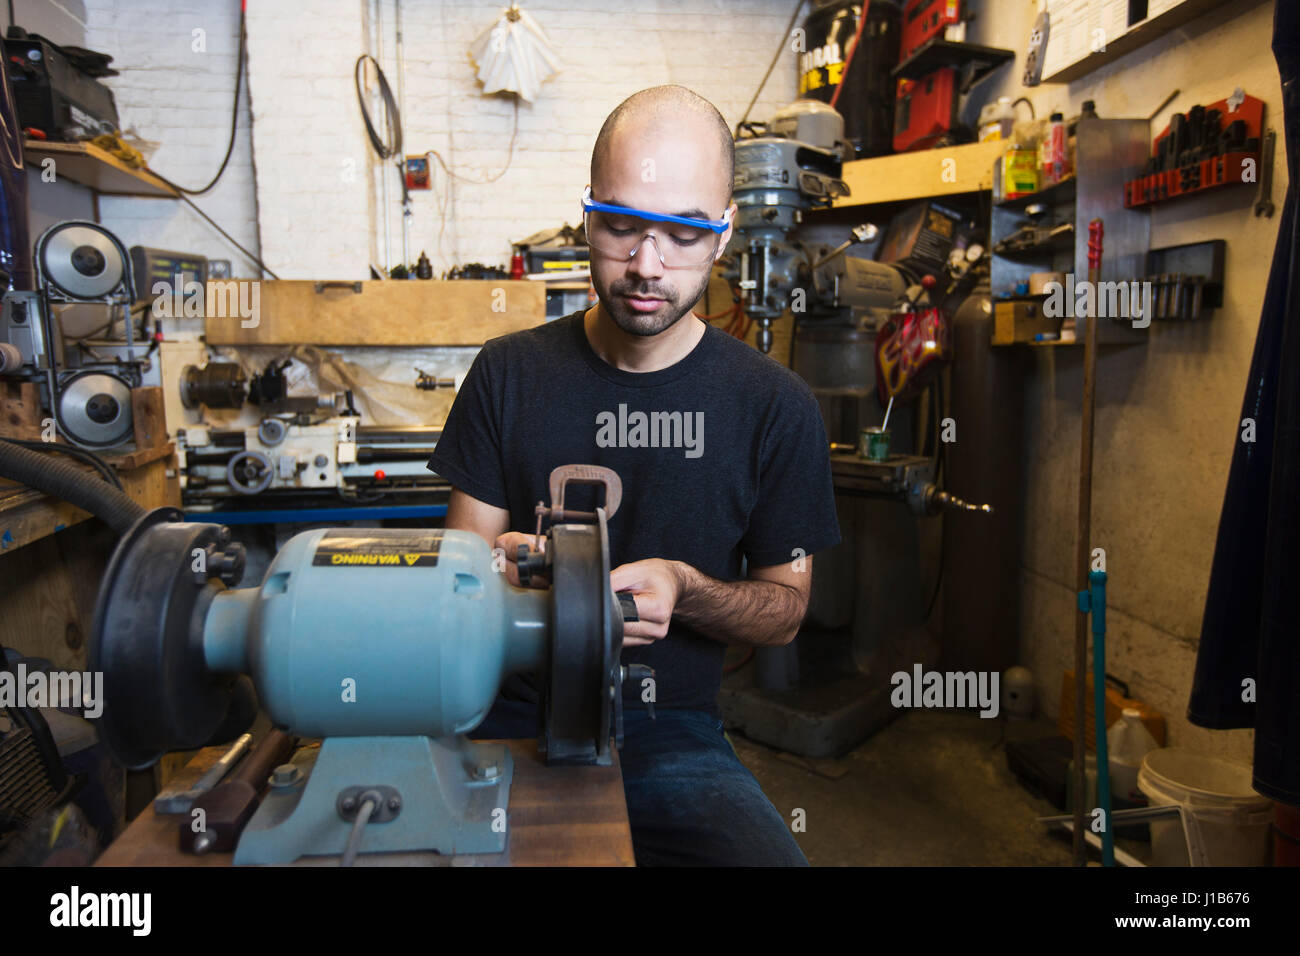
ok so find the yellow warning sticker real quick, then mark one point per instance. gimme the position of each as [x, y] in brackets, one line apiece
[378, 547]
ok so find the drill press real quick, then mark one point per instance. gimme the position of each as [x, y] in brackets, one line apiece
[388, 643]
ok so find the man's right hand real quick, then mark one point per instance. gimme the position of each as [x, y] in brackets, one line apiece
[509, 543]
[466, 513]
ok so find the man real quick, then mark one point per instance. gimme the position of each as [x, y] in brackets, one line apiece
[735, 466]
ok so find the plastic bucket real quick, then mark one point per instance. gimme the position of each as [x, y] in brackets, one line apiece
[1227, 821]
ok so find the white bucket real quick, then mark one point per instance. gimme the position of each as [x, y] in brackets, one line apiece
[1227, 821]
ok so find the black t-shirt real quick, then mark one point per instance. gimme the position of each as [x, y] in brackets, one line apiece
[735, 464]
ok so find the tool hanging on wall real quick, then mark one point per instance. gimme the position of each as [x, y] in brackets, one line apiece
[514, 55]
[389, 148]
[1206, 147]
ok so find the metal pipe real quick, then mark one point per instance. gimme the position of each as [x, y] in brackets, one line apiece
[1083, 551]
[401, 110]
[383, 165]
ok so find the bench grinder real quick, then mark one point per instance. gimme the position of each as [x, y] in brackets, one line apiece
[388, 643]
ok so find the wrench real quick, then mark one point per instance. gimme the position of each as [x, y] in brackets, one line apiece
[1264, 199]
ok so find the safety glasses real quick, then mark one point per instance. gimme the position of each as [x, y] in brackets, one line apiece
[681, 242]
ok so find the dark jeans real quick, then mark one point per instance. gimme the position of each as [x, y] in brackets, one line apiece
[690, 801]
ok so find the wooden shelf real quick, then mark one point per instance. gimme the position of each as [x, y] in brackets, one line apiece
[91, 166]
[924, 174]
[1135, 36]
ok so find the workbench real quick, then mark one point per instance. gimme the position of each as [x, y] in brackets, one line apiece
[558, 816]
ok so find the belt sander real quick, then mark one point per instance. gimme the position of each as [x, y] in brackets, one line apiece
[390, 644]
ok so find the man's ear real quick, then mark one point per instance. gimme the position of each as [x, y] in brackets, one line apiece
[726, 236]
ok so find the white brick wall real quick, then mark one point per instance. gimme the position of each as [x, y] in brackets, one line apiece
[181, 98]
[306, 122]
[298, 208]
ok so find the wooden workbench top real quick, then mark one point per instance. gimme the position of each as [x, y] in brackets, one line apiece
[558, 816]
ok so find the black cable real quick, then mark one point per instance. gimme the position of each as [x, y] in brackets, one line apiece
[392, 116]
[938, 580]
[211, 222]
[82, 454]
[234, 115]
[184, 192]
[779, 50]
[510, 155]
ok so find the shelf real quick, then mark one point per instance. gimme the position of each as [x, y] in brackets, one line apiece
[91, 166]
[1135, 36]
[1078, 342]
[1061, 192]
[924, 174]
[1062, 243]
[937, 53]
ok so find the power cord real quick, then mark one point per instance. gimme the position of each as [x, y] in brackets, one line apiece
[234, 114]
[184, 192]
[780, 48]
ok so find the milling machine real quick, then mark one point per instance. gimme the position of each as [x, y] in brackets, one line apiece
[868, 335]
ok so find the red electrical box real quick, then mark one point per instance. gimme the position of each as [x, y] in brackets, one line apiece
[925, 109]
[416, 170]
[924, 20]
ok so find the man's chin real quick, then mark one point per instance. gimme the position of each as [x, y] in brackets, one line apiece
[644, 324]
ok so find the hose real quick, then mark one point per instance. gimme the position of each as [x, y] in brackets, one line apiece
[63, 480]
[81, 454]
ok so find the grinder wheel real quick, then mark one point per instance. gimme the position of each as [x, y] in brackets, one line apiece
[583, 698]
[147, 640]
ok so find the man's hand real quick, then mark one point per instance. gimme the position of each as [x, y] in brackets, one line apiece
[509, 543]
[655, 585]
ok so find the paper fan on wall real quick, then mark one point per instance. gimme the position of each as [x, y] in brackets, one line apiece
[514, 54]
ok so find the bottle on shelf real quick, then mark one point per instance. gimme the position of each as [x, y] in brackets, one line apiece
[1052, 161]
[996, 120]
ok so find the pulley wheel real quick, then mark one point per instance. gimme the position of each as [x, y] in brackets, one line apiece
[95, 409]
[80, 259]
[147, 641]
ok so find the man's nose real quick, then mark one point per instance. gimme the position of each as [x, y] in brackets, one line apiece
[645, 262]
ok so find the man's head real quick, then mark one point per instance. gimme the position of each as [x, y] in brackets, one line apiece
[664, 150]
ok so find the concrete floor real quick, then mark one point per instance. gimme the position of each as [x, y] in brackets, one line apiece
[930, 789]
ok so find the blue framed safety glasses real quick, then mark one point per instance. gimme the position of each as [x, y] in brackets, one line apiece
[681, 241]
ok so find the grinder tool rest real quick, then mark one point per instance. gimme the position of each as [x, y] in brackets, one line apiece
[389, 643]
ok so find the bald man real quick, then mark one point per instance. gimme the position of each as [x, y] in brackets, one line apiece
[723, 457]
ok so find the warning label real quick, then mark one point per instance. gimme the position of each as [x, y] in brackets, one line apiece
[379, 547]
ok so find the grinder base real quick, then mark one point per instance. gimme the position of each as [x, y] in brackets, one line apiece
[446, 803]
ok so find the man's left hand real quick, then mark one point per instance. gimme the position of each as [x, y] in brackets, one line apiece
[656, 586]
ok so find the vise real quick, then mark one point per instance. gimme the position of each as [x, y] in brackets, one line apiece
[388, 643]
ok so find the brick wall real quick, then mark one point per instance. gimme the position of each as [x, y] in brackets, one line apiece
[175, 88]
[314, 204]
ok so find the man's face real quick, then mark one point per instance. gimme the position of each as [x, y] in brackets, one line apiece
[674, 170]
